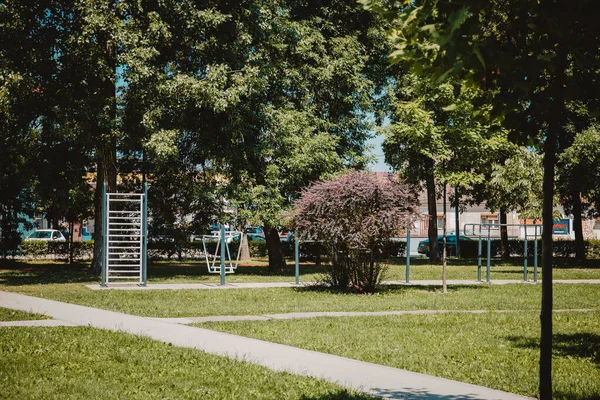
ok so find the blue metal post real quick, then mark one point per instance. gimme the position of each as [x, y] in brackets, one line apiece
[478, 255]
[535, 258]
[297, 256]
[489, 256]
[145, 235]
[408, 256]
[222, 255]
[525, 257]
[104, 229]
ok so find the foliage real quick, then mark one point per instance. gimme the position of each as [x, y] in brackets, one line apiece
[441, 132]
[516, 184]
[579, 165]
[356, 214]
[39, 249]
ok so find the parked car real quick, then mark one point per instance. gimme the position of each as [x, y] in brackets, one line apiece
[450, 244]
[47, 235]
[255, 233]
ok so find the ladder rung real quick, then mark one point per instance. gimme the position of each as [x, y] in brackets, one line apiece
[115, 271]
[122, 277]
[126, 235]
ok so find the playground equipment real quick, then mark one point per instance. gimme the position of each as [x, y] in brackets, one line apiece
[222, 239]
[124, 239]
[489, 228]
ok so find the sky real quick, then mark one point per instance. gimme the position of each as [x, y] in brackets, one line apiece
[377, 151]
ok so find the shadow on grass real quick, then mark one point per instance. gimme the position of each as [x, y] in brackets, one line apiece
[393, 394]
[20, 277]
[390, 289]
[200, 270]
[575, 396]
[580, 345]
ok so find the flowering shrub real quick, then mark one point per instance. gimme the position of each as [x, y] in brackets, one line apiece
[357, 215]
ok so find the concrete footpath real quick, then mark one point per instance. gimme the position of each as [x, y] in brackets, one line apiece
[371, 378]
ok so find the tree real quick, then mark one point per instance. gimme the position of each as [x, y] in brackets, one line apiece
[516, 185]
[440, 132]
[523, 49]
[356, 215]
[271, 96]
[579, 178]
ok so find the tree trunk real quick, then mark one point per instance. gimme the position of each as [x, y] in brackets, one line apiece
[578, 226]
[106, 144]
[555, 125]
[244, 248]
[274, 250]
[432, 232]
[70, 248]
[504, 236]
[457, 221]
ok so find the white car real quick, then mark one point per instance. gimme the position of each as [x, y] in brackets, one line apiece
[47, 235]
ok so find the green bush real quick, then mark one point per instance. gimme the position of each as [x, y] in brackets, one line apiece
[34, 249]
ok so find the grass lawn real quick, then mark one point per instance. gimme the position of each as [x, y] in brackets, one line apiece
[16, 315]
[191, 303]
[498, 350]
[82, 362]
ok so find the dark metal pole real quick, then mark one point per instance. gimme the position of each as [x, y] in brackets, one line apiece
[457, 222]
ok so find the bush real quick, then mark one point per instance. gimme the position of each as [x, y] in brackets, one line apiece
[356, 215]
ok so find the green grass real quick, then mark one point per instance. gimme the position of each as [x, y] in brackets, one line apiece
[82, 362]
[190, 303]
[498, 350]
[257, 271]
[15, 315]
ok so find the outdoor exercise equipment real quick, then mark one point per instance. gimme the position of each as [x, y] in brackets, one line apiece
[124, 239]
[489, 228]
[222, 239]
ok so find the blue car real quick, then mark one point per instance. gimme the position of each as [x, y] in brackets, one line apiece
[450, 244]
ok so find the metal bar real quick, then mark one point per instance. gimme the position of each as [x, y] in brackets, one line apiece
[407, 255]
[104, 233]
[525, 258]
[145, 233]
[478, 255]
[297, 256]
[535, 257]
[222, 255]
[124, 200]
[489, 255]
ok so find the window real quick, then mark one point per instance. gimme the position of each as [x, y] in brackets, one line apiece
[440, 222]
[491, 220]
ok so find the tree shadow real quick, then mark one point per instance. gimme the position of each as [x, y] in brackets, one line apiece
[581, 345]
[417, 394]
[46, 276]
[390, 289]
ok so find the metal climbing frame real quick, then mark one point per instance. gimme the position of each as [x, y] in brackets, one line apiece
[125, 217]
[481, 233]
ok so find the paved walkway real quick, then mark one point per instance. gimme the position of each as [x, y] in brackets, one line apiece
[371, 378]
[255, 285]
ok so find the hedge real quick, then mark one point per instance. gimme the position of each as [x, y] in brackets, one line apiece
[560, 248]
[39, 249]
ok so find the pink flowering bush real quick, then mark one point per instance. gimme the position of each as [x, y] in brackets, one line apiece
[357, 215]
